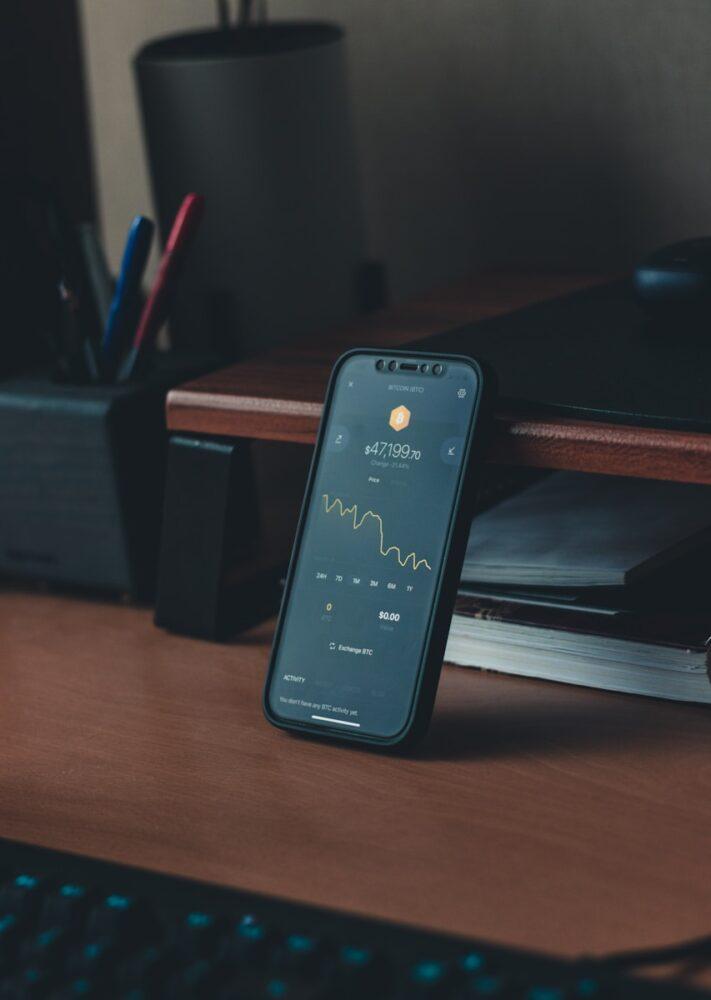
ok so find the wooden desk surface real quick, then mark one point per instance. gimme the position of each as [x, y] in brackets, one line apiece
[278, 396]
[535, 814]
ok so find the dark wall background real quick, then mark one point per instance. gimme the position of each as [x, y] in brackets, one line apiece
[43, 121]
[43, 140]
[544, 132]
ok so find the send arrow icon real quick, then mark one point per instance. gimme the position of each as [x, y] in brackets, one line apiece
[451, 450]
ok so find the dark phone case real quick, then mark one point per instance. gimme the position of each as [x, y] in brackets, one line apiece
[443, 604]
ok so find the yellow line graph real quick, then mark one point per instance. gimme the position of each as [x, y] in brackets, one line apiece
[352, 511]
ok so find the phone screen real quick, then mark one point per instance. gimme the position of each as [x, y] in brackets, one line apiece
[354, 629]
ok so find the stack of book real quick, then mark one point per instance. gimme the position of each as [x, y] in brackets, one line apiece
[593, 580]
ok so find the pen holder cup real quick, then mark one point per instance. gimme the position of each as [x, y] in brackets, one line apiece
[81, 482]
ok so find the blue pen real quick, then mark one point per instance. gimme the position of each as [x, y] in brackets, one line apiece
[125, 306]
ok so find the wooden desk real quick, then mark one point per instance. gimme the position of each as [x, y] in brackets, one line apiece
[535, 814]
[279, 396]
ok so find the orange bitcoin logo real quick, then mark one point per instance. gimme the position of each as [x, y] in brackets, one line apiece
[399, 418]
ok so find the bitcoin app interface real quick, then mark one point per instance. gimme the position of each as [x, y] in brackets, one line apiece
[372, 548]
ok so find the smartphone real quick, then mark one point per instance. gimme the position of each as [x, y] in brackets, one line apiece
[379, 548]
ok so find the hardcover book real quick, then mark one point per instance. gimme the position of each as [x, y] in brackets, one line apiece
[655, 654]
[574, 529]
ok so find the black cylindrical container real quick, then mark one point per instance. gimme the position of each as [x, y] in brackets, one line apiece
[257, 119]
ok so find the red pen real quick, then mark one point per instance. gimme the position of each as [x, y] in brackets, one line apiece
[155, 312]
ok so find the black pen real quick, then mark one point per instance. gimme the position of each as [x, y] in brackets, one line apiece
[96, 269]
[78, 345]
[79, 320]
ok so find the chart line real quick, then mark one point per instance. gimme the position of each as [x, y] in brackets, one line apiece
[352, 511]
